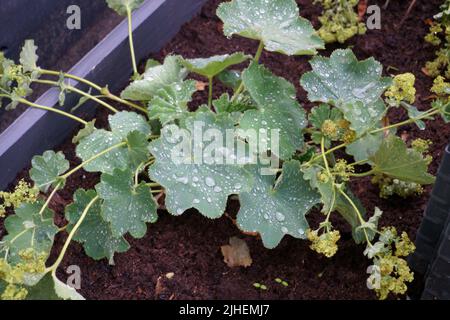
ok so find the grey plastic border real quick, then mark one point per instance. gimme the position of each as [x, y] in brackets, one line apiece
[433, 238]
[35, 131]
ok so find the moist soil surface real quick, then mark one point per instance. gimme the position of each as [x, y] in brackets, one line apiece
[189, 246]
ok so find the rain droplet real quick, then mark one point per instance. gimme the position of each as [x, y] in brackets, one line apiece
[210, 182]
[280, 217]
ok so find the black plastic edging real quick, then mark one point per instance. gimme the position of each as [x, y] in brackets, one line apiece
[35, 131]
[430, 238]
[437, 286]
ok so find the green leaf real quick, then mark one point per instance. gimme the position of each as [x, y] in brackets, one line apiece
[51, 288]
[342, 79]
[414, 113]
[137, 148]
[204, 185]
[322, 113]
[362, 117]
[225, 105]
[276, 209]
[28, 229]
[121, 124]
[155, 78]
[28, 56]
[278, 109]
[366, 146]
[210, 67]
[122, 6]
[126, 207]
[230, 78]
[46, 169]
[151, 63]
[88, 129]
[317, 117]
[171, 102]
[82, 101]
[395, 160]
[101, 140]
[276, 23]
[328, 195]
[95, 232]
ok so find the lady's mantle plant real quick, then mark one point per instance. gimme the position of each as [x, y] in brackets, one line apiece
[135, 156]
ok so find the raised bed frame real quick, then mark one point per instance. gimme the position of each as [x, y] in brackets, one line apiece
[431, 260]
[35, 131]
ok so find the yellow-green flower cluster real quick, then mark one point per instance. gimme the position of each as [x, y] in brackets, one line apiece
[433, 36]
[30, 263]
[440, 65]
[439, 35]
[326, 243]
[343, 170]
[389, 187]
[23, 193]
[440, 86]
[339, 20]
[390, 272]
[330, 129]
[402, 90]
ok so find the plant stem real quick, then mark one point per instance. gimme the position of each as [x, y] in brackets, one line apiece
[109, 95]
[210, 96]
[324, 157]
[139, 169]
[103, 90]
[47, 202]
[364, 174]
[65, 176]
[356, 163]
[427, 114]
[60, 112]
[361, 220]
[71, 235]
[153, 184]
[259, 52]
[73, 77]
[80, 92]
[255, 59]
[130, 37]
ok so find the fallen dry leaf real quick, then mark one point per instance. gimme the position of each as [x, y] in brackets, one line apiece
[200, 86]
[425, 72]
[236, 254]
[362, 9]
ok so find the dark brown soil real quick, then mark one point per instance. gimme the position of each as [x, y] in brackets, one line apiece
[189, 246]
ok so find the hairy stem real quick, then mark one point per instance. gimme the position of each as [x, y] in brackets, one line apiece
[426, 114]
[68, 174]
[73, 77]
[80, 92]
[130, 38]
[60, 112]
[104, 90]
[47, 202]
[71, 235]
[358, 213]
[259, 52]
[256, 59]
[210, 96]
